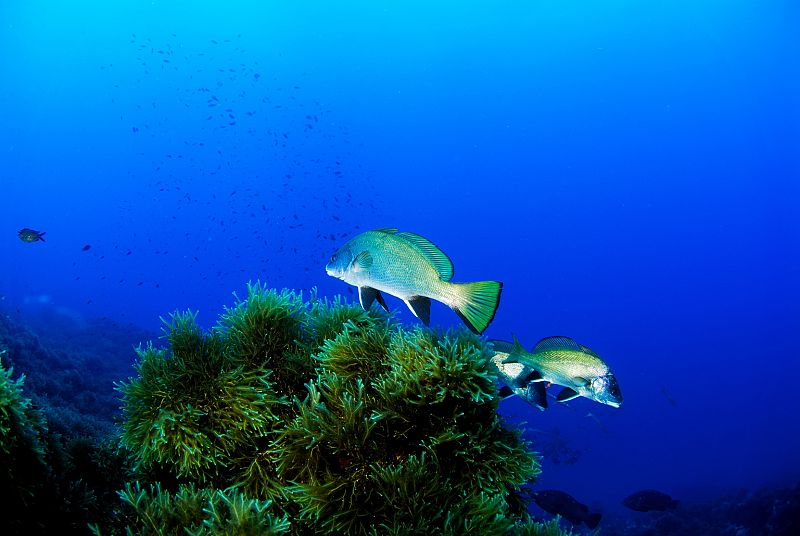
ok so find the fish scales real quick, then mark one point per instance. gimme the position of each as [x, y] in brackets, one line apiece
[406, 272]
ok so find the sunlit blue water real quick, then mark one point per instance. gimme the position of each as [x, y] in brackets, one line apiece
[629, 170]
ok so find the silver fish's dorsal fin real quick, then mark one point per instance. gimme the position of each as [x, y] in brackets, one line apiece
[510, 349]
[421, 307]
[556, 343]
[518, 348]
[585, 350]
[387, 230]
[502, 346]
[440, 261]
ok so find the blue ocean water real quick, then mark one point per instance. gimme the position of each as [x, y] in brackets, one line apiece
[630, 171]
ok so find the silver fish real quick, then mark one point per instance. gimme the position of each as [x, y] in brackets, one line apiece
[412, 268]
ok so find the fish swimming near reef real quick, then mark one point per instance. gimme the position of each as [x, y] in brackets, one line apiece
[29, 235]
[650, 500]
[562, 361]
[565, 505]
[520, 380]
[412, 268]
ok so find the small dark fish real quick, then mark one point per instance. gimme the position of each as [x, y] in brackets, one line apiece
[563, 504]
[650, 500]
[29, 235]
[87, 247]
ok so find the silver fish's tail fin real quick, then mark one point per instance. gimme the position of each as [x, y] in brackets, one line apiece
[478, 303]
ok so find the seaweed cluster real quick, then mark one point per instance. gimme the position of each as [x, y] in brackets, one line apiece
[318, 417]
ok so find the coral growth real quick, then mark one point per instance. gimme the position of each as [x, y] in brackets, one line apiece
[320, 417]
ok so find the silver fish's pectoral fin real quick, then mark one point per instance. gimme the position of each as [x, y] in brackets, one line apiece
[367, 295]
[567, 394]
[421, 307]
[536, 394]
[362, 262]
[534, 376]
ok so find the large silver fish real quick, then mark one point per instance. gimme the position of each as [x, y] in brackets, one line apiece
[410, 267]
[562, 361]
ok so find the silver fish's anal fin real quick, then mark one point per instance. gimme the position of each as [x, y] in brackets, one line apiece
[440, 261]
[362, 262]
[536, 394]
[421, 307]
[505, 392]
[556, 343]
[567, 394]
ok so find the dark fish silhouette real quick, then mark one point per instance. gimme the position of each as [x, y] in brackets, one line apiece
[563, 504]
[649, 500]
[29, 235]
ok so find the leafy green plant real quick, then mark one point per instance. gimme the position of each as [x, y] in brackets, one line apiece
[193, 408]
[153, 511]
[320, 417]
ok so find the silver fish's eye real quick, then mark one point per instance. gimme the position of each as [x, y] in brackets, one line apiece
[333, 258]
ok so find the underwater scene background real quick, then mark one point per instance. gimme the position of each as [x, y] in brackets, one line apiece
[629, 170]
